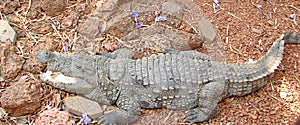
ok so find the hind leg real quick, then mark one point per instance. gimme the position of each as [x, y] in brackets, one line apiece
[209, 96]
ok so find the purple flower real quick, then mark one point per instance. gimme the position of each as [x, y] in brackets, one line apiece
[66, 47]
[135, 13]
[85, 119]
[138, 25]
[216, 6]
[259, 7]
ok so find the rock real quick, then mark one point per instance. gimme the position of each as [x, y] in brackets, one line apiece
[54, 117]
[91, 28]
[22, 97]
[180, 29]
[10, 63]
[207, 30]
[7, 33]
[70, 21]
[42, 27]
[272, 23]
[78, 105]
[256, 30]
[10, 6]
[53, 7]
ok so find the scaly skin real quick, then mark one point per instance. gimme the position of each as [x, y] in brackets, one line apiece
[178, 80]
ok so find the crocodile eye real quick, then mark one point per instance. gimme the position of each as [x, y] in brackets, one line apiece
[47, 53]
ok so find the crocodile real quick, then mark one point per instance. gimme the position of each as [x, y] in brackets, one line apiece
[176, 80]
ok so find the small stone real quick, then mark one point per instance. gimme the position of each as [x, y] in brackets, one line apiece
[272, 23]
[207, 30]
[283, 95]
[249, 60]
[78, 105]
[53, 7]
[7, 33]
[256, 30]
[293, 16]
[216, 1]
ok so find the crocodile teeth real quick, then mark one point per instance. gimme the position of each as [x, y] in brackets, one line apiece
[56, 77]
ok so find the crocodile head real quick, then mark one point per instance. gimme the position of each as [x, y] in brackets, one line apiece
[76, 73]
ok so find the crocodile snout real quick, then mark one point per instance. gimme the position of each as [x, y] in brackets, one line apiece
[44, 56]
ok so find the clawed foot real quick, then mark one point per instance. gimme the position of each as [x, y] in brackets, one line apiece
[117, 117]
[196, 115]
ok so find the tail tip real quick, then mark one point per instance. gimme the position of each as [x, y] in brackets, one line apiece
[291, 37]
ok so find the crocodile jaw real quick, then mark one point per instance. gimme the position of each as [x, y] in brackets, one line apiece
[57, 77]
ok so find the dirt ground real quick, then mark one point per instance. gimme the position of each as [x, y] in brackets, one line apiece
[247, 29]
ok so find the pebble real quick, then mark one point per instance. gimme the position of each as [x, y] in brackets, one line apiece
[7, 33]
[293, 16]
[256, 30]
[272, 23]
[207, 30]
[77, 105]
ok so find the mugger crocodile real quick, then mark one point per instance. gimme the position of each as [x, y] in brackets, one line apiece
[177, 80]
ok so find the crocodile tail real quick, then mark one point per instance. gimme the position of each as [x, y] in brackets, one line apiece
[292, 37]
[273, 57]
[248, 77]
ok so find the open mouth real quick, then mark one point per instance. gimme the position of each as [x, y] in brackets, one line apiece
[57, 77]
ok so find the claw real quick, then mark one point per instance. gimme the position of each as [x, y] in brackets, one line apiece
[195, 115]
[117, 117]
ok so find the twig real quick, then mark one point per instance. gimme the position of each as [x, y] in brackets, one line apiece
[227, 28]
[56, 31]
[170, 113]
[292, 6]
[1, 16]
[297, 79]
[26, 12]
[255, 108]
[272, 86]
[234, 50]
[231, 14]
[107, 79]
[276, 98]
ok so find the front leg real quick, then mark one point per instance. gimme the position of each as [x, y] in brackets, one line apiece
[129, 111]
